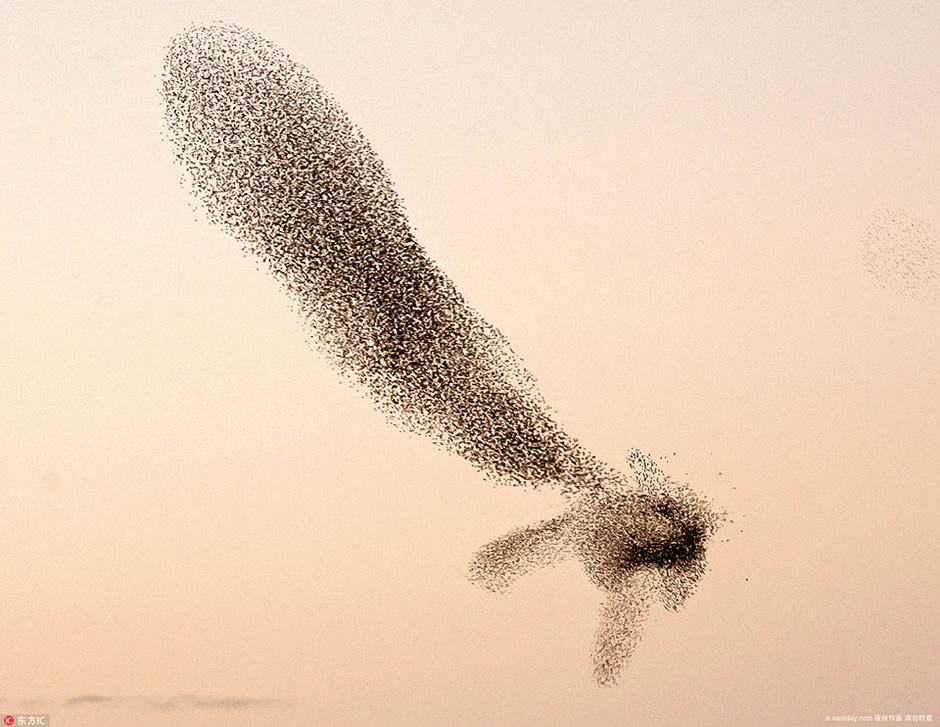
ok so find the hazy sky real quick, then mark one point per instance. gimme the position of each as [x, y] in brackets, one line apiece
[661, 205]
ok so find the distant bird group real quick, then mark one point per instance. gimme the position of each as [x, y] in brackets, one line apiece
[902, 254]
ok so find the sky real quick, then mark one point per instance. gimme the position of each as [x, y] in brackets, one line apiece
[661, 205]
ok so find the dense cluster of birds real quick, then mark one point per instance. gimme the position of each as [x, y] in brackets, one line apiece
[277, 163]
[902, 254]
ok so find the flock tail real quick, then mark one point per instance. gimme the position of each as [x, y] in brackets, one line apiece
[641, 539]
[278, 164]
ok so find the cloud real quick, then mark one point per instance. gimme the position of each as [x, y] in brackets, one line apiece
[87, 699]
[26, 702]
[182, 701]
[198, 702]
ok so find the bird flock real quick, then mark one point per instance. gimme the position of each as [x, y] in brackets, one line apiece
[277, 163]
[902, 254]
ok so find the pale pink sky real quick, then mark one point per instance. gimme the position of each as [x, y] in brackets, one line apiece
[660, 204]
